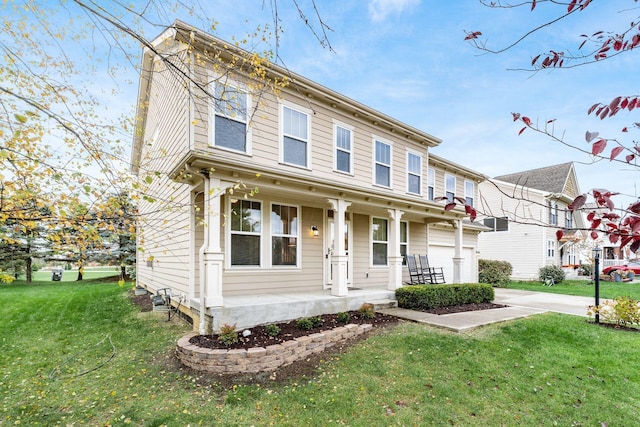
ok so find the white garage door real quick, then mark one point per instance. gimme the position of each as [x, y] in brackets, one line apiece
[442, 256]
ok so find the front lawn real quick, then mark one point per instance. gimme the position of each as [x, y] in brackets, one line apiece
[72, 354]
[584, 288]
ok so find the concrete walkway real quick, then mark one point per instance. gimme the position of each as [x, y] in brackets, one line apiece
[520, 304]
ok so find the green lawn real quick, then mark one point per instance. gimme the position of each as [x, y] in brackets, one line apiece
[585, 288]
[72, 354]
[72, 275]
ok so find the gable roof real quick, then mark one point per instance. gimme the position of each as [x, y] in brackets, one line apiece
[553, 179]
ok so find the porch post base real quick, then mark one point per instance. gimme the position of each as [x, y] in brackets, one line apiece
[457, 270]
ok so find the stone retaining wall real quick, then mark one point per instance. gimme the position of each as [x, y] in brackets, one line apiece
[260, 359]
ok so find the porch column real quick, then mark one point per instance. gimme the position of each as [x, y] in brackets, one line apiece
[457, 257]
[339, 260]
[395, 258]
[213, 257]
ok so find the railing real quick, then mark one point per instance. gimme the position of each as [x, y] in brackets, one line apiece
[608, 262]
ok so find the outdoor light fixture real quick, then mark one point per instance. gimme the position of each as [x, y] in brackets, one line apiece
[597, 254]
[315, 230]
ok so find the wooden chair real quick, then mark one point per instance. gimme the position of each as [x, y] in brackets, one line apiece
[433, 275]
[415, 272]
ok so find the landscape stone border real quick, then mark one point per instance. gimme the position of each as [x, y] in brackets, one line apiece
[261, 359]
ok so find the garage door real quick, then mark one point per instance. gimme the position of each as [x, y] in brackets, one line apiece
[442, 256]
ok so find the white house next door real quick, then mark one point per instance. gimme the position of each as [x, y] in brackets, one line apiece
[331, 247]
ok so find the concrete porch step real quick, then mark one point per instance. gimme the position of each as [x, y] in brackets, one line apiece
[382, 304]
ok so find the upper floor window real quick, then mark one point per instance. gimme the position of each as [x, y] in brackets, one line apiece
[246, 228]
[497, 224]
[343, 138]
[450, 186]
[382, 162]
[469, 192]
[553, 213]
[295, 137]
[229, 117]
[568, 219]
[414, 173]
[380, 241]
[284, 235]
[431, 183]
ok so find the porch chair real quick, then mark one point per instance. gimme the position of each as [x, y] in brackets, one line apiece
[415, 273]
[434, 275]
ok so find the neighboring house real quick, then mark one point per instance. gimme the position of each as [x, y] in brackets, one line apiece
[611, 253]
[266, 202]
[524, 210]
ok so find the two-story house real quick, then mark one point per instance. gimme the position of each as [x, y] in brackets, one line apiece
[524, 211]
[268, 197]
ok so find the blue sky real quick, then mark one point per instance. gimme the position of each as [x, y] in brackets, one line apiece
[408, 59]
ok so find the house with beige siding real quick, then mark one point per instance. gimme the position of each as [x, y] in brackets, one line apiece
[267, 197]
[523, 212]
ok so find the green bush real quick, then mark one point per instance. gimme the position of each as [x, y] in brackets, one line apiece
[305, 323]
[585, 269]
[551, 271]
[420, 297]
[622, 311]
[228, 334]
[272, 330]
[317, 321]
[497, 273]
[343, 317]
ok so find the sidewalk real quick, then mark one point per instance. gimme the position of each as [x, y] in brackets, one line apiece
[521, 304]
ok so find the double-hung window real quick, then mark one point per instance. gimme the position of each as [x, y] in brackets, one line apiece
[414, 173]
[450, 186]
[380, 239]
[295, 137]
[469, 192]
[553, 213]
[382, 161]
[431, 183]
[551, 248]
[497, 224]
[568, 219]
[229, 117]
[343, 138]
[284, 235]
[246, 228]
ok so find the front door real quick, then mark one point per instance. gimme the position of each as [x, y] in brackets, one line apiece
[331, 247]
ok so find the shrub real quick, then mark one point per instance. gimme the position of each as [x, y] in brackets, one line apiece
[497, 273]
[305, 323]
[585, 269]
[366, 311]
[622, 311]
[317, 321]
[228, 334]
[551, 271]
[421, 297]
[272, 330]
[343, 317]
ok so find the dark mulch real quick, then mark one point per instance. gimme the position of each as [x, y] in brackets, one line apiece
[465, 307]
[143, 302]
[290, 330]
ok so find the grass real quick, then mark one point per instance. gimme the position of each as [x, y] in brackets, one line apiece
[584, 288]
[72, 275]
[545, 370]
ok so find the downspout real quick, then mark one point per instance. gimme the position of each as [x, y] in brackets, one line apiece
[201, 251]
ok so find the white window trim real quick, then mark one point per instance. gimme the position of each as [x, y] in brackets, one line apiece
[281, 134]
[213, 80]
[551, 249]
[400, 238]
[473, 189]
[374, 163]
[420, 174]
[229, 231]
[350, 128]
[297, 236]
[431, 182]
[371, 242]
[446, 187]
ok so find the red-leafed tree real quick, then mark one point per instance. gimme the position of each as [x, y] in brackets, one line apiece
[600, 46]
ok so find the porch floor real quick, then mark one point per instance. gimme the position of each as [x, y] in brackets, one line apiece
[246, 311]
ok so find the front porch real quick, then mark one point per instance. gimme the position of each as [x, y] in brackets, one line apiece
[246, 311]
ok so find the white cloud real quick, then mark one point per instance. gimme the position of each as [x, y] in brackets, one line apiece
[380, 9]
